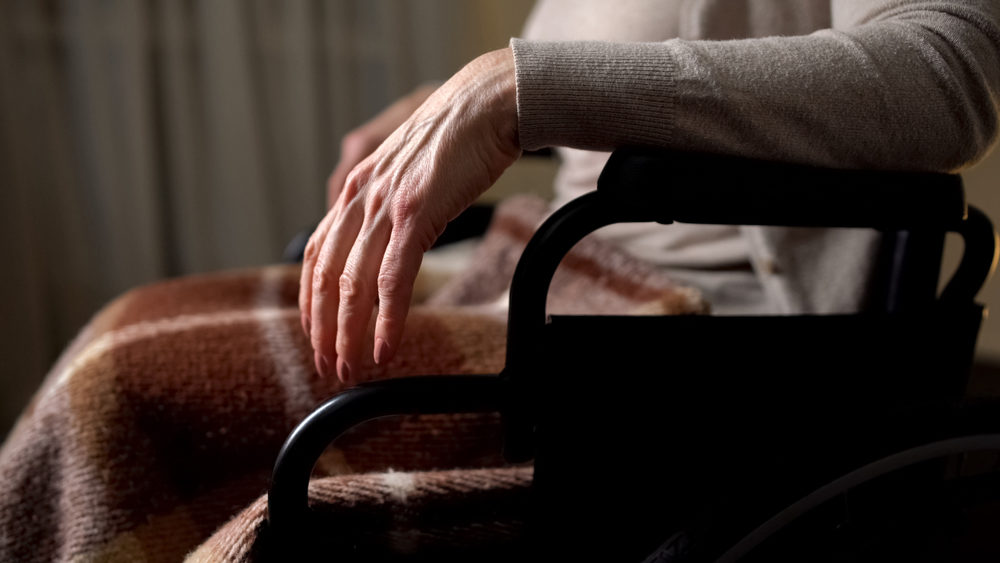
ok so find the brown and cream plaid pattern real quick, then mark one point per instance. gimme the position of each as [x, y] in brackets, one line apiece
[156, 430]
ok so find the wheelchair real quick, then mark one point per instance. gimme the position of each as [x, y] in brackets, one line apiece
[689, 438]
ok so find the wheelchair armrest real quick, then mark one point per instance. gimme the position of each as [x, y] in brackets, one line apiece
[287, 503]
[645, 184]
[641, 184]
[664, 186]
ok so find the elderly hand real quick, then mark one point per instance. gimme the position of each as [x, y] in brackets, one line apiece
[395, 204]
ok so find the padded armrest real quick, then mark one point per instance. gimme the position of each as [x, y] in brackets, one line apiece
[665, 186]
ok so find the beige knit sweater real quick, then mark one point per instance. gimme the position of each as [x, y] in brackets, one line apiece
[888, 84]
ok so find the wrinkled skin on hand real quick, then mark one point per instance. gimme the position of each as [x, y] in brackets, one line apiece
[393, 206]
[363, 140]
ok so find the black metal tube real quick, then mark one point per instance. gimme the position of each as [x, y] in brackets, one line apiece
[287, 499]
[542, 255]
[979, 259]
[529, 289]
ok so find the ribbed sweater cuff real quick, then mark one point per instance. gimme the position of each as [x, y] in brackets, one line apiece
[594, 95]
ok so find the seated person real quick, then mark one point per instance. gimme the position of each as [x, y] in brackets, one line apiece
[163, 419]
[878, 84]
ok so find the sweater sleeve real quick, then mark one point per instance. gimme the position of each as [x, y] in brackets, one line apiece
[902, 84]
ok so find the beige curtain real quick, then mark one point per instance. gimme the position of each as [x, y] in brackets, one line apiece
[141, 139]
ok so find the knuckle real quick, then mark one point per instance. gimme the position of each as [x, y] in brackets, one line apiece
[352, 185]
[322, 283]
[351, 289]
[405, 208]
[390, 278]
[312, 249]
[388, 282]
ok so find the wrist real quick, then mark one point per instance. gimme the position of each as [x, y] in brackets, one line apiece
[496, 74]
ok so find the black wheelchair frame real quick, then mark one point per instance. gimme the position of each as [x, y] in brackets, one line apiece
[693, 438]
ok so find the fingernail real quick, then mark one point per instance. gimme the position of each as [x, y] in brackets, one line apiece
[343, 370]
[381, 351]
[306, 324]
[324, 366]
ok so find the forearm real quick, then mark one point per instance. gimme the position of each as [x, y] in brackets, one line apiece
[911, 87]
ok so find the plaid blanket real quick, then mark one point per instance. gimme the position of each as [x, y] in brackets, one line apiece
[156, 430]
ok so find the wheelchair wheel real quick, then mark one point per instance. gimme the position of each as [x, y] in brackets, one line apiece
[934, 502]
[908, 515]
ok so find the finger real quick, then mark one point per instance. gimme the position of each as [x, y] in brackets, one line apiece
[357, 294]
[395, 289]
[308, 265]
[325, 285]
